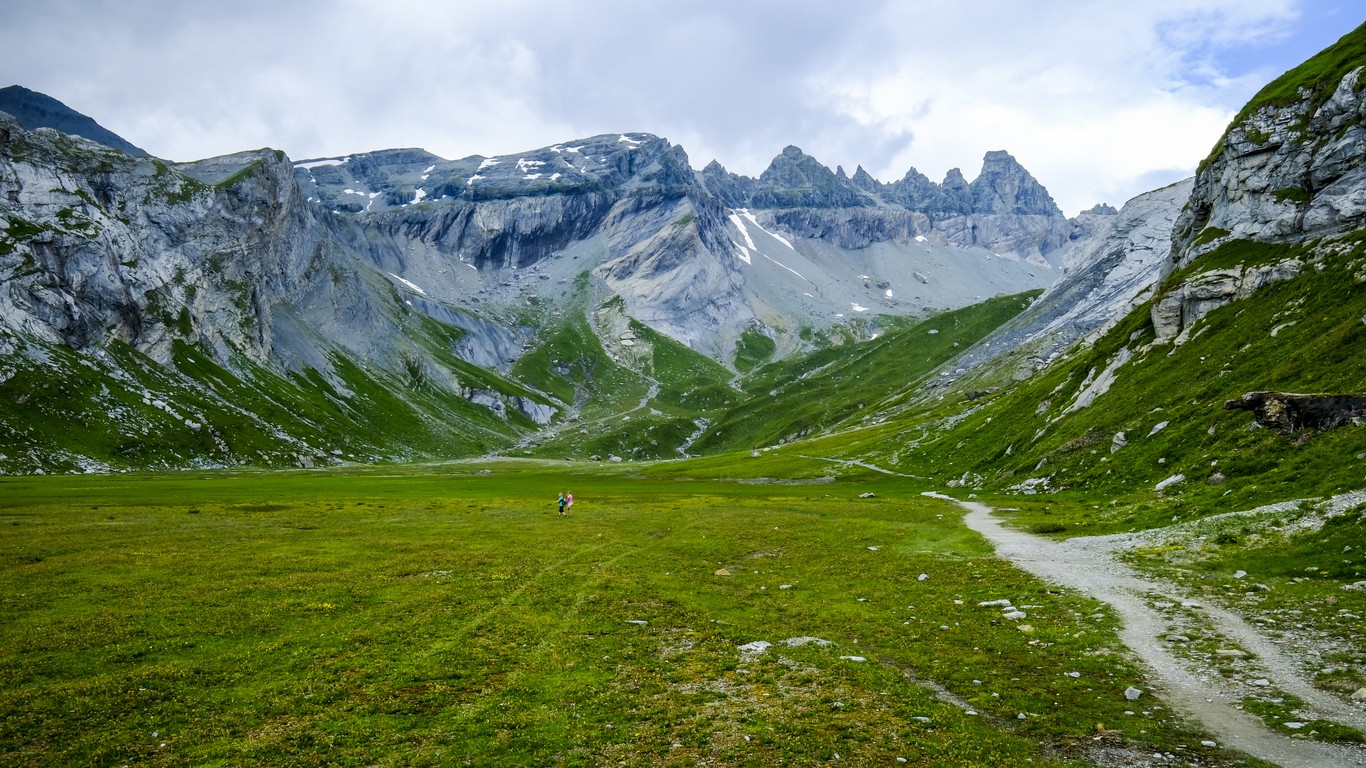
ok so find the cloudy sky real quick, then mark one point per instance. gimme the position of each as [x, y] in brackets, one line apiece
[1100, 100]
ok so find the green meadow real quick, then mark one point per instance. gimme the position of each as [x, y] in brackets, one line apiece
[446, 615]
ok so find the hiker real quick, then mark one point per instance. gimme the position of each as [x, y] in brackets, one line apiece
[569, 504]
[562, 503]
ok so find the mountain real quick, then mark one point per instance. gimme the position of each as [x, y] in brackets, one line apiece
[393, 304]
[36, 110]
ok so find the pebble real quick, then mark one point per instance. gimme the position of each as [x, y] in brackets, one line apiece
[1208, 744]
[1178, 639]
[1016, 615]
[1260, 682]
[1239, 574]
[1074, 674]
[922, 577]
[995, 603]
[1131, 693]
[1294, 726]
[1021, 716]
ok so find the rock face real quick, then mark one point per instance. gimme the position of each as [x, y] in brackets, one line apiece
[1004, 209]
[1288, 169]
[1288, 413]
[1175, 313]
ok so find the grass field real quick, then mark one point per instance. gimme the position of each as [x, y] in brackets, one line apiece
[445, 615]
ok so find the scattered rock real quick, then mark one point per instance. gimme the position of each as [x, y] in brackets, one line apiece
[1231, 653]
[722, 572]
[1208, 743]
[1173, 480]
[1360, 695]
[869, 495]
[1131, 693]
[924, 576]
[1357, 587]
[1015, 615]
[1074, 674]
[872, 549]
[637, 622]
[796, 641]
[1158, 427]
[1119, 442]
[994, 603]
[1239, 574]
[1026, 627]
[754, 649]
[1217, 478]
[1260, 682]
[853, 658]
[1294, 726]
[1178, 639]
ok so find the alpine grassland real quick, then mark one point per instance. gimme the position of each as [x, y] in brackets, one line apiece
[448, 615]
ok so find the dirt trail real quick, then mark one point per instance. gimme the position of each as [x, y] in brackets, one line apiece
[1088, 565]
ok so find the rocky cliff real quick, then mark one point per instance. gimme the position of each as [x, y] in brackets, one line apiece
[1290, 170]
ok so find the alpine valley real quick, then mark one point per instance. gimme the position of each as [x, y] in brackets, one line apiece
[1168, 397]
[601, 300]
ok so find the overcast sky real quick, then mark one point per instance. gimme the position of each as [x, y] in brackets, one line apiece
[1100, 100]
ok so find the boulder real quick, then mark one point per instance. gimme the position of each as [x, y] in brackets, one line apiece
[1288, 412]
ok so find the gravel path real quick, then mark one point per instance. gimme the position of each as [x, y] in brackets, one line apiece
[1087, 564]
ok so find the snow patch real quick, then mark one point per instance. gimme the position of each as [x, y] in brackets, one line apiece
[311, 164]
[408, 283]
[920, 238]
[418, 195]
[628, 140]
[488, 163]
[857, 307]
[784, 266]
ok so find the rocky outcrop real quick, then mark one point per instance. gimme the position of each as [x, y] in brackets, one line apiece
[1177, 310]
[1287, 412]
[1288, 169]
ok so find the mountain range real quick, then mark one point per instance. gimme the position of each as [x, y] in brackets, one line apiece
[600, 298]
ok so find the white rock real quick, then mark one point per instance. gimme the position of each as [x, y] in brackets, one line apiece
[1131, 693]
[994, 603]
[1208, 743]
[1016, 615]
[1260, 682]
[754, 649]
[853, 658]
[1173, 480]
[796, 641]
[924, 576]
[639, 622]
[1239, 574]
[1294, 726]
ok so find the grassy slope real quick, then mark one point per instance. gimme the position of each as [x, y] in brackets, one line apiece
[445, 615]
[1319, 339]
